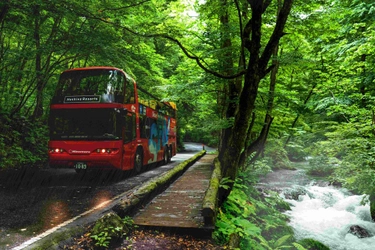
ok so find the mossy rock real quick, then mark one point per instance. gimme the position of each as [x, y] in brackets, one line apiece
[283, 206]
[277, 232]
[372, 206]
[111, 223]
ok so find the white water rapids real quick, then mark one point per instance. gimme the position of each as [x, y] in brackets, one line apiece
[326, 214]
[323, 212]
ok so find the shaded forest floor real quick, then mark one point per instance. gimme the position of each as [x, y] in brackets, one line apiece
[149, 240]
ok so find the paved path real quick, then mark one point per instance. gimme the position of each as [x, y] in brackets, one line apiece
[179, 206]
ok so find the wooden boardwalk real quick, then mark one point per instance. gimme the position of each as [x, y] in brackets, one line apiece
[179, 206]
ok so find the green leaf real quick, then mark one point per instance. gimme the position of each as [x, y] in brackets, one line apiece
[282, 240]
[298, 246]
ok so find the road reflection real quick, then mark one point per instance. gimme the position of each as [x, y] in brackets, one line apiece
[54, 213]
[100, 199]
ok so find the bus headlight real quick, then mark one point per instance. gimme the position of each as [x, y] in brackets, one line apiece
[107, 150]
[56, 150]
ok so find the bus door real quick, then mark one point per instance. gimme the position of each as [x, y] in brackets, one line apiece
[129, 139]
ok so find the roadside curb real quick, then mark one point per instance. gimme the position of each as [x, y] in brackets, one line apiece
[123, 204]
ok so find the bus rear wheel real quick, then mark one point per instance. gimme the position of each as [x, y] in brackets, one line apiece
[138, 161]
[167, 155]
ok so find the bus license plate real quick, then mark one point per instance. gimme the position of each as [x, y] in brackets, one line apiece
[80, 165]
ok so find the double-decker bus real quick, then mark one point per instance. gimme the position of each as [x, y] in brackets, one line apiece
[99, 118]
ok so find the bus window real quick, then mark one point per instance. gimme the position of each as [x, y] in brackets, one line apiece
[151, 130]
[129, 128]
[106, 83]
[142, 126]
[129, 92]
[84, 124]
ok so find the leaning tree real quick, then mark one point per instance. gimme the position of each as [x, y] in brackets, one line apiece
[243, 74]
[241, 90]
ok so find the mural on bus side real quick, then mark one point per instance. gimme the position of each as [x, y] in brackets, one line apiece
[158, 137]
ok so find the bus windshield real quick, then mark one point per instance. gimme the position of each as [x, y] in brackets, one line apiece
[85, 124]
[105, 84]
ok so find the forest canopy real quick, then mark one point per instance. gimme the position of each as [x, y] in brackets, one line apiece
[280, 80]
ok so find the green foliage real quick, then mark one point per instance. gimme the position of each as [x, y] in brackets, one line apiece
[357, 169]
[298, 246]
[324, 100]
[261, 167]
[226, 183]
[256, 218]
[277, 154]
[74, 34]
[312, 244]
[322, 165]
[104, 238]
[234, 217]
[296, 150]
[110, 228]
[341, 110]
[23, 142]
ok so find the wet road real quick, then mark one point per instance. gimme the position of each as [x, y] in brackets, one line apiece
[32, 201]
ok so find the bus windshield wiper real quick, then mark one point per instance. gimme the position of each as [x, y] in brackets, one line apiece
[74, 136]
[106, 136]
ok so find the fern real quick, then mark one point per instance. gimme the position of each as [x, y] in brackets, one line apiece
[225, 183]
[253, 217]
[282, 241]
[298, 246]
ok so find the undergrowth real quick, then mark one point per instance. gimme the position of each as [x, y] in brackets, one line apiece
[322, 166]
[254, 218]
[23, 142]
[111, 228]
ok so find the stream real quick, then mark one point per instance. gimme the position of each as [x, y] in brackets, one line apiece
[322, 212]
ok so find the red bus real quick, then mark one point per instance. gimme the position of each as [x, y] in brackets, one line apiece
[99, 118]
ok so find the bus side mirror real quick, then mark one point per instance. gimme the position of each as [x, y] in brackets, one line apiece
[124, 111]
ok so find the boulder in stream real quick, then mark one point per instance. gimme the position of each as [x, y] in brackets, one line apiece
[359, 231]
[294, 193]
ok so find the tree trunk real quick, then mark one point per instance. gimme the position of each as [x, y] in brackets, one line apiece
[258, 145]
[4, 10]
[38, 111]
[230, 91]
[233, 147]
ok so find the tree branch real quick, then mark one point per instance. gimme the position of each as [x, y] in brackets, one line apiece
[247, 30]
[176, 41]
[276, 35]
[241, 34]
[189, 55]
[126, 7]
